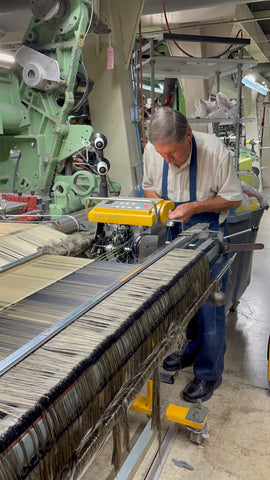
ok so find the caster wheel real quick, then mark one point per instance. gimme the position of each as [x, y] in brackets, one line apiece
[197, 436]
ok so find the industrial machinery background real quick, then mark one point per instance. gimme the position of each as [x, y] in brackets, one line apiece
[37, 96]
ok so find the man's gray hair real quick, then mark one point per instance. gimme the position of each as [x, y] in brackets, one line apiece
[167, 126]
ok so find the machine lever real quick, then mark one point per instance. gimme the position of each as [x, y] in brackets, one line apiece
[241, 247]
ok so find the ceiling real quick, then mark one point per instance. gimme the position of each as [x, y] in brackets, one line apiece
[252, 17]
[260, 9]
[15, 15]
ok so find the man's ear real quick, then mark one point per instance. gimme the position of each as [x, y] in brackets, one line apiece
[189, 132]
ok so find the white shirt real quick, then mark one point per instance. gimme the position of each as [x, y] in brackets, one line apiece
[215, 173]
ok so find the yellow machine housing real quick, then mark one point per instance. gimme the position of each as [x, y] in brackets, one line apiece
[144, 212]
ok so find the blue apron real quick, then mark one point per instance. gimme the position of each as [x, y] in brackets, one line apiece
[208, 343]
[207, 217]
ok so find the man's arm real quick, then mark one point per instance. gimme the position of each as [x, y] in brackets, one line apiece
[187, 210]
[150, 194]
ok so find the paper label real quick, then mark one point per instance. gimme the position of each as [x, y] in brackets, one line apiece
[110, 58]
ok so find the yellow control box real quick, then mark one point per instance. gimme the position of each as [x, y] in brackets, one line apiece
[143, 212]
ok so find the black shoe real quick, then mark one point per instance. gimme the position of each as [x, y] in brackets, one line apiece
[175, 361]
[200, 390]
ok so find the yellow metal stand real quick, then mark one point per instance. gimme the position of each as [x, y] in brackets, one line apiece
[268, 356]
[195, 417]
[144, 404]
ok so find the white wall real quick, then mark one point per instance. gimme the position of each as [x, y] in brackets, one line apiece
[112, 97]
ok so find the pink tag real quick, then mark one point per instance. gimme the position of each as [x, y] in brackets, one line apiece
[110, 58]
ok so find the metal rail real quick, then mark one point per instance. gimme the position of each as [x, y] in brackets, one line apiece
[20, 261]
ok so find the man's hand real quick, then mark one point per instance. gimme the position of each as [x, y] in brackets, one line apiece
[183, 212]
[186, 210]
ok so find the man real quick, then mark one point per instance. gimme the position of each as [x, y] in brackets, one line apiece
[196, 171]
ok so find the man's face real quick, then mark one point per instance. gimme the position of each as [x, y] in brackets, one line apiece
[175, 152]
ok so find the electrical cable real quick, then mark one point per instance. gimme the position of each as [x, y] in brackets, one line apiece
[141, 81]
[188, 54]
[86, 91]
[230, 46]
[169, 30]
[91, 18]
[134, 111]
[39, 215]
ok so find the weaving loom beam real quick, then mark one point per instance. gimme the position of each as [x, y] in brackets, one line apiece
[103, 357]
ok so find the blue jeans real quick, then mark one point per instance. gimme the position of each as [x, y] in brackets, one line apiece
[207, 333]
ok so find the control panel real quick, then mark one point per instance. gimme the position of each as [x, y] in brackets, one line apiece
[133, 211]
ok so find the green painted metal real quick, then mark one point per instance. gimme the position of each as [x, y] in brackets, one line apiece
[70, 191]
[35, 122]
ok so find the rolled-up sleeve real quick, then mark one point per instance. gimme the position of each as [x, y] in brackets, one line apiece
[228, 184]
[149, 169]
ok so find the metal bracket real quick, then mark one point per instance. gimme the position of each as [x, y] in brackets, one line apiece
[39, 71]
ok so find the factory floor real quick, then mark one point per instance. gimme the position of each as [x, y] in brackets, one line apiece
[239, 411]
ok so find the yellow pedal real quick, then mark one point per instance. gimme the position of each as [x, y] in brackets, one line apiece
[194, 417]
[268, 357]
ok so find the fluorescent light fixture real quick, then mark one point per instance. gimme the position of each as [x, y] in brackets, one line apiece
[251, 78]
[6, 58]
[250, 82]
[148, 87]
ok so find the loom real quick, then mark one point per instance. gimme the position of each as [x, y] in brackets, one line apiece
[48, 165]
[80, 338]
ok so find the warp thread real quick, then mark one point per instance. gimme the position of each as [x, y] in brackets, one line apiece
[125, 426]
[117, 448]
[155, 417]
[121, 426]
[165, 308]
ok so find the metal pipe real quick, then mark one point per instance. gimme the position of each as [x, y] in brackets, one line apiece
[251, 229]
[239, 103]
[68, 223]
[20, 261]
[218, 81]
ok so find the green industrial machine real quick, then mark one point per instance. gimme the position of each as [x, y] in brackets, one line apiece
[37, 95]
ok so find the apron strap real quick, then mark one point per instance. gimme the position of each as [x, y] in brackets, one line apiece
[192, 175]
[165, 180]
[193, 172]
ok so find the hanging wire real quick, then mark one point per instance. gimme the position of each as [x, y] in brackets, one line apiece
[188, 54]
[141, 82]
[169, 30]
[133, 73]
[91, 18]
[230, 46]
